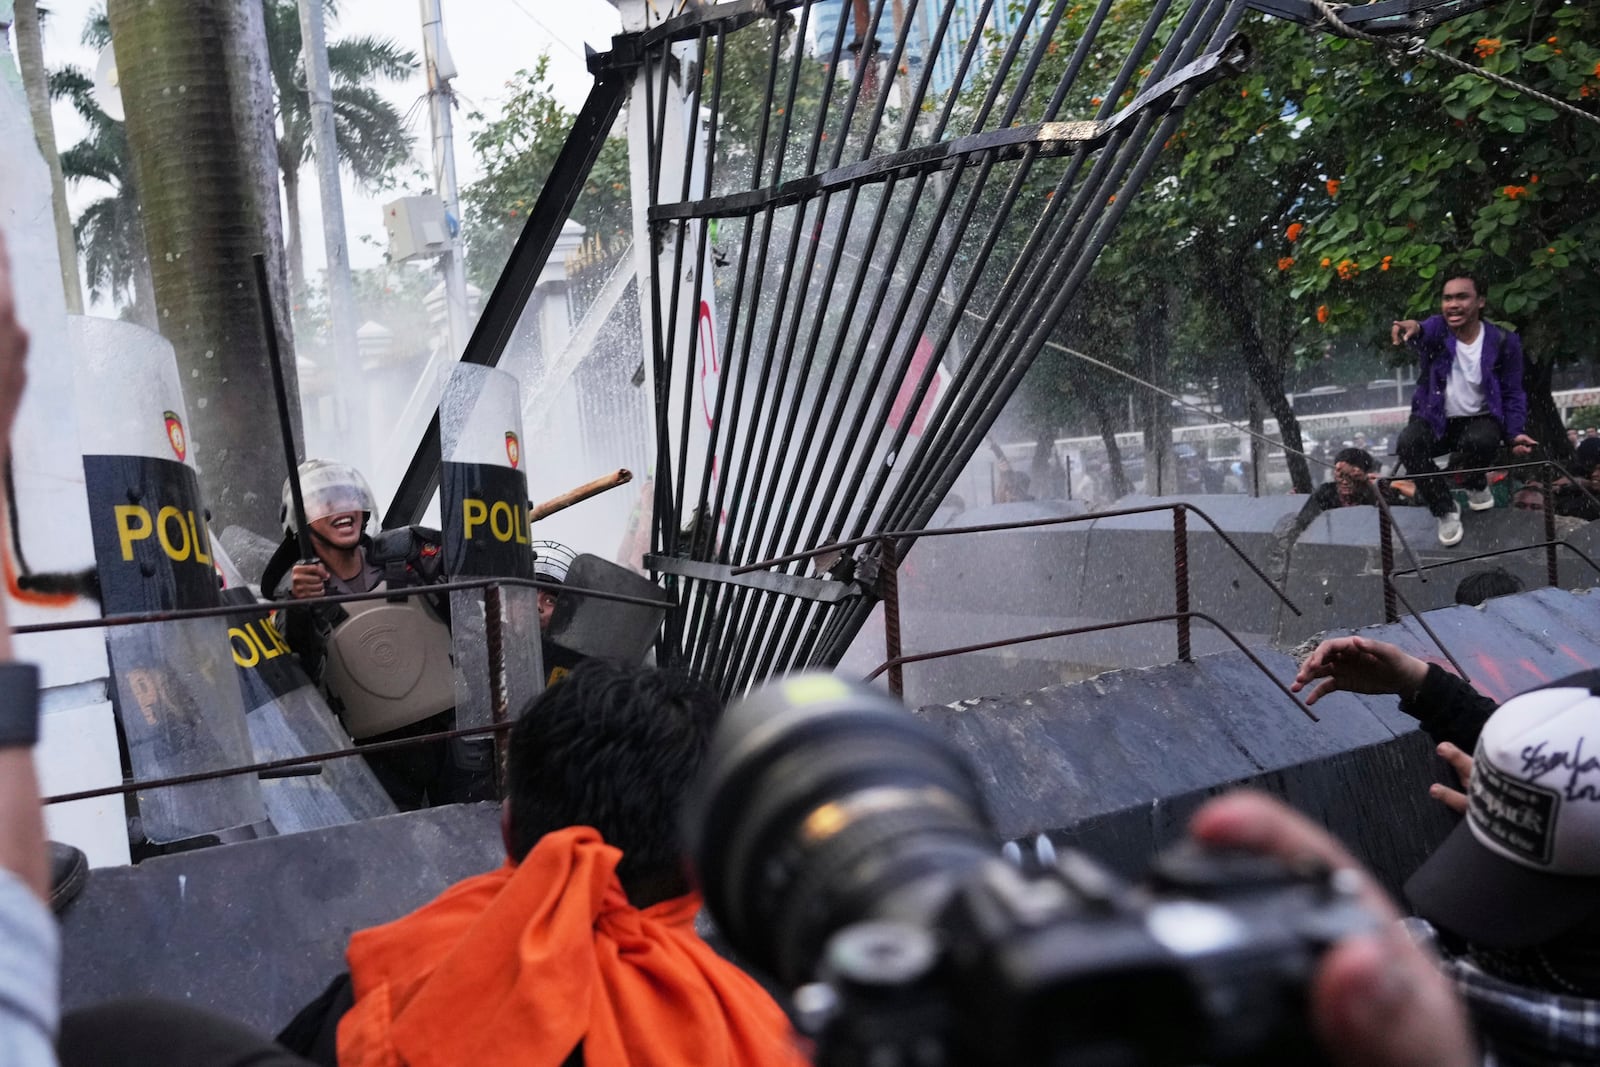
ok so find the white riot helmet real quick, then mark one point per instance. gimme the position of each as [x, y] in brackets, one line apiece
[329, 488]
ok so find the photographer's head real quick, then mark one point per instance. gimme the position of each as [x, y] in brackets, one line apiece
[616, 749]
[1519, 879]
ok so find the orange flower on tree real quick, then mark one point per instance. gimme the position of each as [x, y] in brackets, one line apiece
[1512, 192]
[1322, 313]
[1333, 185]
[1348, 268]
[1294, 231]
[1386, 261]
[1326, 263]
[1487, 46]
[1286, 262]
[1533, 179]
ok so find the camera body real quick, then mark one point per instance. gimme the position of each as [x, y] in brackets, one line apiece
[842, 847]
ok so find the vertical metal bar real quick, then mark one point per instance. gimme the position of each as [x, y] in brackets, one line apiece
[1551, 564]
[1391, 607]
[498, 699]
[1180, 578]
[889, 593]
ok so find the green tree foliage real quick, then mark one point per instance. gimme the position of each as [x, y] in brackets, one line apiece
[372, 135]
[1321, 195]
[516, 150]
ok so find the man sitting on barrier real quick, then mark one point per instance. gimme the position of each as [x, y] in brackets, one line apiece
[1512, 897]
[1469, 398]
[385, 664]
[582, 947]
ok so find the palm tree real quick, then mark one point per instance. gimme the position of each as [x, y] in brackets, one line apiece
[109, 233]
[372, 134]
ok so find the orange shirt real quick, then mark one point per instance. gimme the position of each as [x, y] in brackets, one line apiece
[516, 966]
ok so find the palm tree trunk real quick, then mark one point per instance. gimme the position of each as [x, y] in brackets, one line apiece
[292, 238]
[208, 189]
[35, 82]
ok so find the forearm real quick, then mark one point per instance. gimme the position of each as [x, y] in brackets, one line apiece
[1448, 709]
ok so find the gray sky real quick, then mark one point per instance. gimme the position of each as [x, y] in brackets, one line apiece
[490, 40]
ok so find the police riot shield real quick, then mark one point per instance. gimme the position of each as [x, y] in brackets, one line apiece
[288, 717]
[483, 507]
[177, 695]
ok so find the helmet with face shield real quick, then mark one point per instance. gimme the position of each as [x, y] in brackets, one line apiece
[329, 488]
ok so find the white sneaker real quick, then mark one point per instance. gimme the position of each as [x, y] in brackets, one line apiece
[1480, 499]
[1450, 528]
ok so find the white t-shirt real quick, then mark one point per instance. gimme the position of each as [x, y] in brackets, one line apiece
[1463, 393]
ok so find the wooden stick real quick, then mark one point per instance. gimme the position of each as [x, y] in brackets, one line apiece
[580, 494]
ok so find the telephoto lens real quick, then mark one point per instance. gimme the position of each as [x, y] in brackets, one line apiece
[825, 803]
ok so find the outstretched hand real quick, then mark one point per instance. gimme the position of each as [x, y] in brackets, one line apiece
[1376, 999]
[1522, 445]
[1404, 330]
[1359, 665]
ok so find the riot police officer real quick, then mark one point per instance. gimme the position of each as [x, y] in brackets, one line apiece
[384, 664]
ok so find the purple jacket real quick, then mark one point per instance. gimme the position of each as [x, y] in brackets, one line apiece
[1502, 376]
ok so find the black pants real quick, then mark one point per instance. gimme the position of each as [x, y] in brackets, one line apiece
[159, 1033]
[438, 772]
[1471, 441]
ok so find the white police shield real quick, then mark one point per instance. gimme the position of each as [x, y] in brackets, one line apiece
[177, 693]
[483, 507]
[287, 717]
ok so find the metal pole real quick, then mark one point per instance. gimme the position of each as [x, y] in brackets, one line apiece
[1551, 564]
[441, 98]
[1180, 577]
[1391, 607]
[351, 397]
[889, 592]
[281, 395]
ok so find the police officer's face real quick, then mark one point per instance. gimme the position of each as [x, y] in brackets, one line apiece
[341, 531]
[547, 609]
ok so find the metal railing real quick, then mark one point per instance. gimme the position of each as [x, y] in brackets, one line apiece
[890, 555]
[310, 764]
[1388, 531]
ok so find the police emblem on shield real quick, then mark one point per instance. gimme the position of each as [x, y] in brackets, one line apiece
[513, 449]
[175, 435]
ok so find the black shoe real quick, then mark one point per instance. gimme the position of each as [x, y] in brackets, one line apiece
[69, 873]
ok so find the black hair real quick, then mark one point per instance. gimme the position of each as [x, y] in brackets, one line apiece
[1472, 276]
[616, 749]
[1357, 457]
[1479, 586]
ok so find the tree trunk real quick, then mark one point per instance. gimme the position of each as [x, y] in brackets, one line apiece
[1160, 476]
[1227, 289]
[209, 199]
[294, 248]
[35, 82]
[1108, 434]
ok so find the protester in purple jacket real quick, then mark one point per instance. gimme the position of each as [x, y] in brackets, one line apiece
[1469, 399]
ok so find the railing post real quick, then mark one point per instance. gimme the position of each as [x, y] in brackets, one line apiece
[1391, 608]
[498, 697]
[1180, 576]
[1551, 566]
[889, 592]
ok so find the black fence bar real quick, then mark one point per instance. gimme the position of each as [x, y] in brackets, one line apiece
[1417, 615]
[1023, 524]
[269, 768]
[260, 606]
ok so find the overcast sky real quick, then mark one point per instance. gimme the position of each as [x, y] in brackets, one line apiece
[490, 40]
